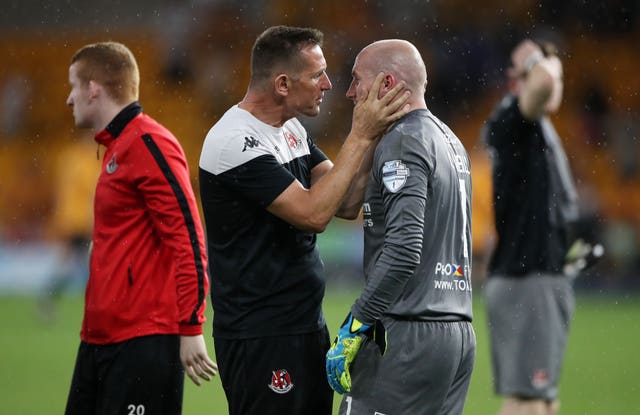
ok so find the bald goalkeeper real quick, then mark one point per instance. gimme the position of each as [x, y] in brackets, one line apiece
[407, 345]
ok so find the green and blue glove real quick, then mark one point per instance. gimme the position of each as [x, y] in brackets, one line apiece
[342, 352]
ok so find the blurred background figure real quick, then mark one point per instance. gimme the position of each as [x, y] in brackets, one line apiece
[75, 175]
[529, 299]
[14, 95]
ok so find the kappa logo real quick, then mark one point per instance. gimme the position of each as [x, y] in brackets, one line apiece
[250, 142]
[112, 165]
[394, 175]
[280, 381]
[292, 140]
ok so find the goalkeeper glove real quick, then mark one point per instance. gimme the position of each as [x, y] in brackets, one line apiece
[581, 256]
[342, 352]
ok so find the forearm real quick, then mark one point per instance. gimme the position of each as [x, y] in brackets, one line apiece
[352, 202]
[389, 276]
[401, 253]
[312, 209]
[344, 184]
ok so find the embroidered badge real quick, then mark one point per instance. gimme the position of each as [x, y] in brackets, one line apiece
[540, 379]
[280, 381]
[394, 175]
[292, 140]
[112, 166]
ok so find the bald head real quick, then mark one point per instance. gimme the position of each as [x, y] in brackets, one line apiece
[397, 57]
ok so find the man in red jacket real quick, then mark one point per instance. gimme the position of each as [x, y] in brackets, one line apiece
[145, 298]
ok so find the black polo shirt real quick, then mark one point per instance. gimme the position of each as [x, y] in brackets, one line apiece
[531, 204]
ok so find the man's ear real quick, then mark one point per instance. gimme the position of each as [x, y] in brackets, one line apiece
[282, 83]
[388, 82]
[94, 89]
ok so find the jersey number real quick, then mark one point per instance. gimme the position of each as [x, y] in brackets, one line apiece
[135, 409]
[463, 207]
[348, 400]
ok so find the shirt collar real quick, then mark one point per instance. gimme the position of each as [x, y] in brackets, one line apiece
[115, 127]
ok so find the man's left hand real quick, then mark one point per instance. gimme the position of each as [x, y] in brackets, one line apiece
[195, 360]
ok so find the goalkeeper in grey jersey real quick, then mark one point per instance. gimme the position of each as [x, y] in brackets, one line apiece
[407, 346]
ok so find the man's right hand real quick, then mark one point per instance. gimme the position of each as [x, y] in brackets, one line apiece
[342, 353]
[524, 55]
[373, 115]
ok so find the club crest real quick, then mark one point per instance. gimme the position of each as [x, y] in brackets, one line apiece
[394, 175]
[292, 140]
[280, 381]
[540, 379]
[112, 165]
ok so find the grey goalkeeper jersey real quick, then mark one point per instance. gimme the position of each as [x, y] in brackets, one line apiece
[417, 225]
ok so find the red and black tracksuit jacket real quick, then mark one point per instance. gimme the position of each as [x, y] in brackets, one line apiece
[148, 272]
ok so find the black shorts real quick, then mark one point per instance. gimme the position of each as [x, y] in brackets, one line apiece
[138, 376]
[276, 375]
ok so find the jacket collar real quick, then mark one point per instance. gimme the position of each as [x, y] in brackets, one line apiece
[117, 125]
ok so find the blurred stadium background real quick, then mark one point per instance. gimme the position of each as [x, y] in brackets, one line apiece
[194, 62]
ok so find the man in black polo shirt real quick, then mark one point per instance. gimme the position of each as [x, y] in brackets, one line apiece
[267, 189]
[529, 301]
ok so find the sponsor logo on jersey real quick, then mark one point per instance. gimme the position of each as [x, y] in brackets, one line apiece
[367, 222]
[292, 140]
[457, 283]
[250, 142]
[280, 381]
[453, 285]
[112, 165]
[394, 175]
[449, 269]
